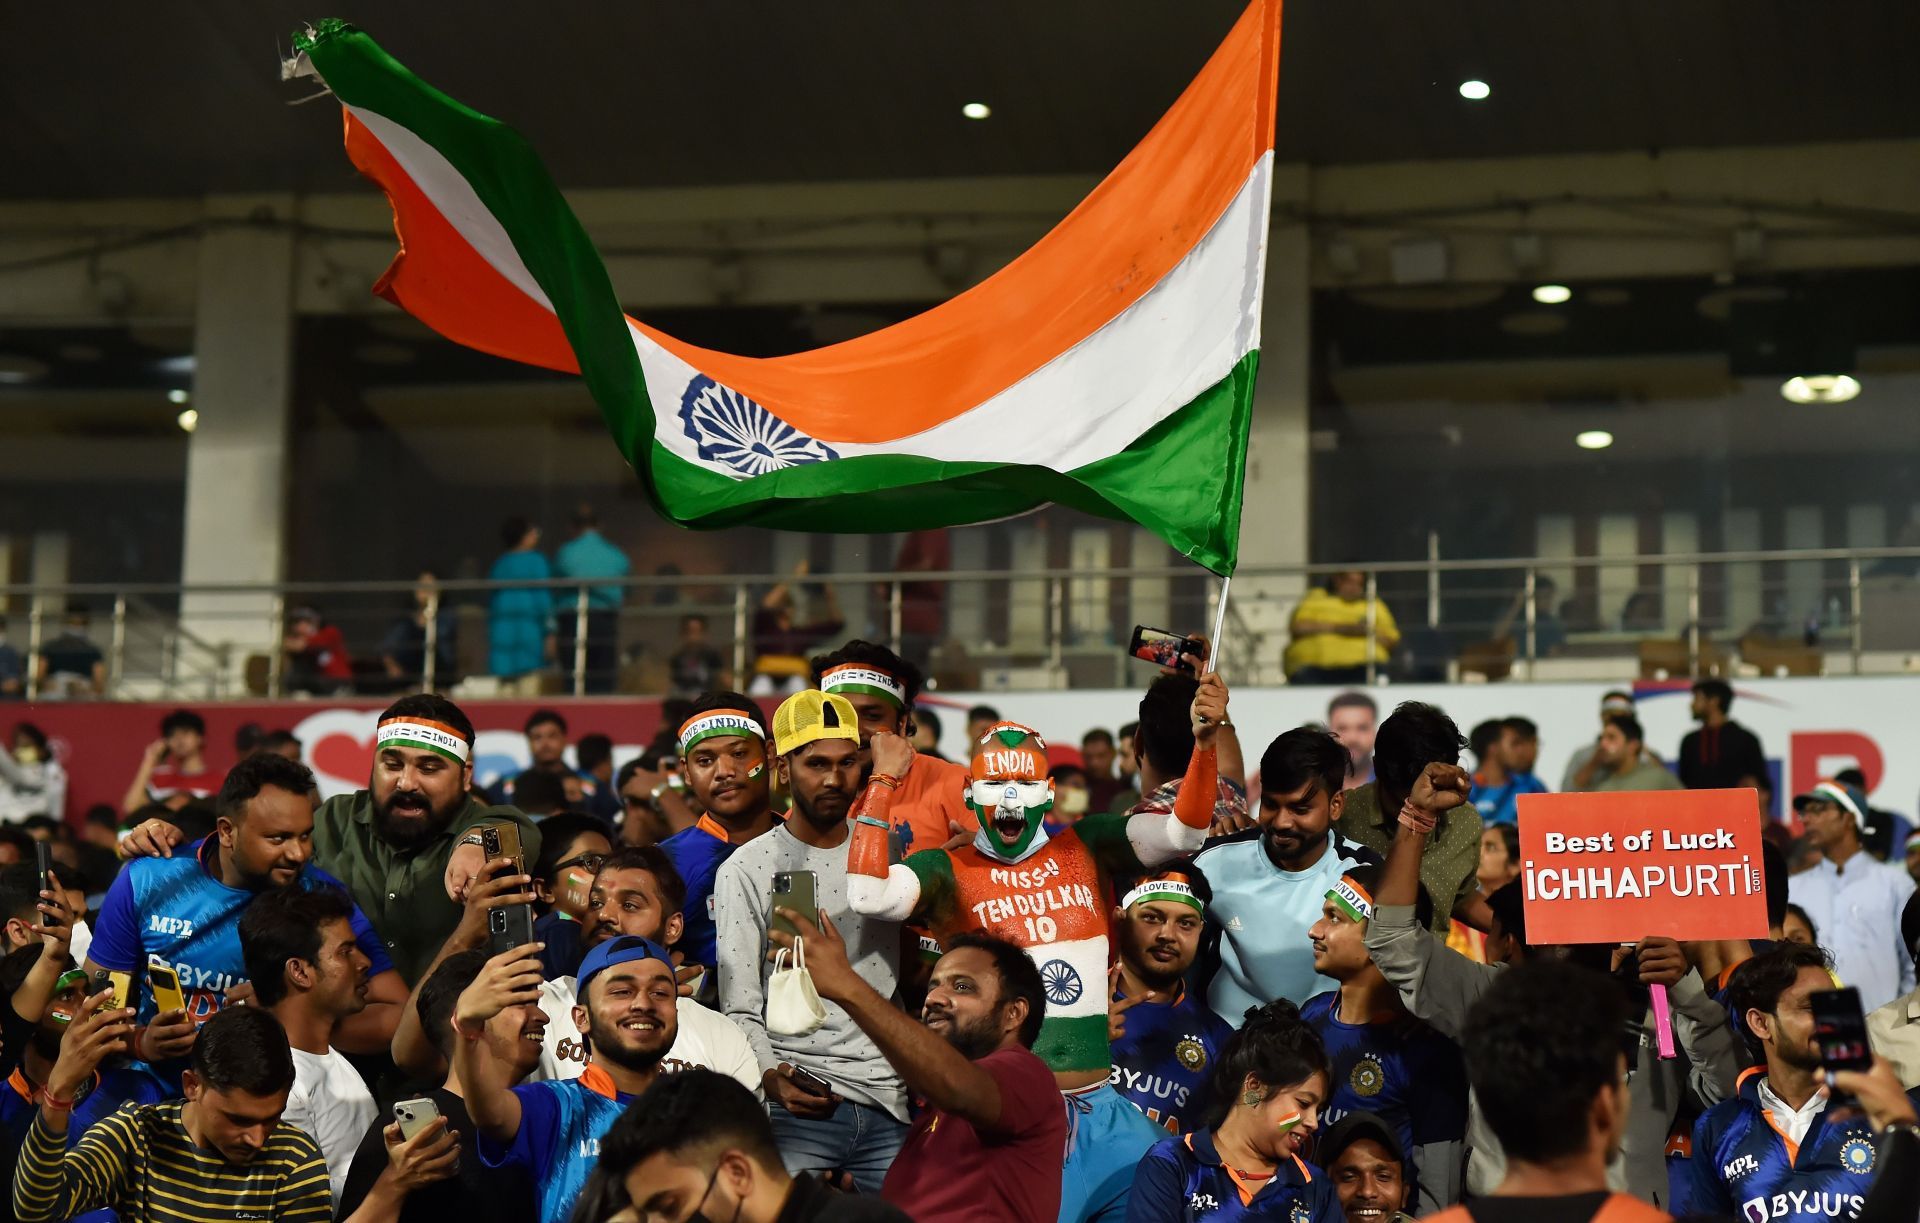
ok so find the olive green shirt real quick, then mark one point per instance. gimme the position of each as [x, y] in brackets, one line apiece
[1450, 869]
[403, 892]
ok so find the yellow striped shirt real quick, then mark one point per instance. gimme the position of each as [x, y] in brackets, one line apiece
[140, 1162]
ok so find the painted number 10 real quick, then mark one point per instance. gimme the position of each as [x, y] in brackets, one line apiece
[1042, 930]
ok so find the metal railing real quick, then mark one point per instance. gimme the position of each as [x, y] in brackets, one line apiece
[1818, 611]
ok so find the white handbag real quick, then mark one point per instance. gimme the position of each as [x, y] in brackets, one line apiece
[793, 1005]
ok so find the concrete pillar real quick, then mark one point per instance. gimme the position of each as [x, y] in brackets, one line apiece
[236, 508]
[1274, 528]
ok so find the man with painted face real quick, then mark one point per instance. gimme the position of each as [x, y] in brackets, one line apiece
[723, 753]
[859, 1122]
[553, 1129]
[930, 803]
[1047, 896]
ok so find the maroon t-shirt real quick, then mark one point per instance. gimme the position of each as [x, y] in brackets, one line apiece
[951, 1170]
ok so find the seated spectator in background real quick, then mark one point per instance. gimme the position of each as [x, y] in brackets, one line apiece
[1887, 832]
[1370, 1172]
[980, 718]
[1353, 718]
[537, 793]
[697, 1145]
[520, 619]
[1269, 883]
[185, 910]
[1784, 1133]
[317, 660]
[15, 845]
[280, 743]
[926, 733]
[645, 792]
[1506, 749]
[1623, 753]
[553, 1129]
[13, 670]
[1165, 1040]
[546, 732]
[1329, 630]
[1267, 1092]
[1070, 797]
[173, 771]
[572, 847]
[72, 668]
[32, 781]
[1722, 754]
[922, 603]
[1549, 631]
[1585, 770]
[224, 1143]
[307, 968]
[1544, 1053]
[1383, 1059]
[695, 666]
[476, 1193]
[1797, 927]
[1416, 736]
[1854, 901]
[1097, 756]
[1499, 857]
[1128, 765]
[593, 761]
[860, 1122]
[404, 651]
[592, 556]
[723, 752]
[100, 828]
[988, 1143]
[780, 645]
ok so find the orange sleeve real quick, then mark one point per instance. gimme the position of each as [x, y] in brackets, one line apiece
[1194, 805]
[867, 849]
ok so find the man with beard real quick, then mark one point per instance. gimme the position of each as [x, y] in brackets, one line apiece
[185, 910]
[553, 1129]
[308, 971]
[637, 892]
[723, 754]
[860, 1120]
[988, 1144]
[1165, 1040]
[1047, 893]
[408, 845]
[1270, 881]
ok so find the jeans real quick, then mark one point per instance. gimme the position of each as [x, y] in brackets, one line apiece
[858, 1137]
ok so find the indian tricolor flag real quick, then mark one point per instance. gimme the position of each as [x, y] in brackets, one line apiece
[1110, 367]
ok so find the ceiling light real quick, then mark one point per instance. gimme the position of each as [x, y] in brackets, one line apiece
[177, 396]
[1552, 295]
[976, 110]
[1594, 439]
[1474, 91]
[188, 419]
[1820, 388]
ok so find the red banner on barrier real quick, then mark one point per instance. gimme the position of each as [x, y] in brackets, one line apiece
[1613, 868]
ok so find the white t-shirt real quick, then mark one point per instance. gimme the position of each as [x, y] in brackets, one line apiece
[330, 1101]
[705, 1038]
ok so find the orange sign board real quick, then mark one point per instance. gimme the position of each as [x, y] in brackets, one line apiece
[1613, 868]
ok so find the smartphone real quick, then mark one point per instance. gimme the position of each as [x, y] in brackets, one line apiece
[43, 862]
[415, 1115]
[511, 926]
[121, 983]
[1840, 1030]
[812, 1082]
[1164, 649]
[167, 995]
[503, 841]
[792, 890]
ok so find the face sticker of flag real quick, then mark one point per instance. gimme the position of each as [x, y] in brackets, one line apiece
[1110, 367]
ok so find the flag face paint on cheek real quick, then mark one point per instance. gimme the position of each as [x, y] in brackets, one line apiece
[755, 771]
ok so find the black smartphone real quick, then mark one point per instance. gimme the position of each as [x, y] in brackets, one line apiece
[812, 1082]
[1165, 649]
[1840, 1029]
[792, 890]
[43, 862]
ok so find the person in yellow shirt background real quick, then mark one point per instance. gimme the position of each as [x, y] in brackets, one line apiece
[1329, 630]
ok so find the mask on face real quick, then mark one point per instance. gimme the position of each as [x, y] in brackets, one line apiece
[1074, 801]
[1007, 782]
[27, 753]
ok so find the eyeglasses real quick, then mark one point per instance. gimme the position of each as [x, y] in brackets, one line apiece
[591, 861]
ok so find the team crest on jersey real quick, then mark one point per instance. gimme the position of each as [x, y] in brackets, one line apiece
[1061, 982]
[1190, 1053]
[1856, 1155]
[1300, 1213]
[1367, 1077]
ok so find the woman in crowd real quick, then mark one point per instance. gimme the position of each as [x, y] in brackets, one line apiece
[32, 782]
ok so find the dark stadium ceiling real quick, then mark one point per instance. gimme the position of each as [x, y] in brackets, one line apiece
[118, 99]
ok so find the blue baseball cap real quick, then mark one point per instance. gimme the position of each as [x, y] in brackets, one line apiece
[620, 949]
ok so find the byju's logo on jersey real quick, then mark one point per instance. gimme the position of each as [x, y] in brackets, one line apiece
[1802, 1204]
[179, 927]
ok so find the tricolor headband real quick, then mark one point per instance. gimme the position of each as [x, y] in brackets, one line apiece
[869, 681]
[1178, 891]
[1351, 897]
[435, 737]
[718, 722]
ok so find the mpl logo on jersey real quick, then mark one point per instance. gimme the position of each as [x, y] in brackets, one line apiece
[1745, 1165]
[179, 927]
[1802, 1204]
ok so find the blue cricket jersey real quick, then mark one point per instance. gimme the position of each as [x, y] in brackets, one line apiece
[178, 911]
[561, 1124]
[1183, 1179]
[697, 853]
[1744, 1167]
[1398, 1067]
[1162, 1061]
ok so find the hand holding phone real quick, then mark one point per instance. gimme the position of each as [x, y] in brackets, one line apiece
[415, 1115]
[1166, 649]
[43, 863]
[511, 925]
[165, 982]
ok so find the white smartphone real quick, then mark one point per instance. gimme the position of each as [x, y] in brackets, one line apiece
[415, 1115]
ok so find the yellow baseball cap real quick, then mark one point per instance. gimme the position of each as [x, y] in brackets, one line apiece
[811, 715]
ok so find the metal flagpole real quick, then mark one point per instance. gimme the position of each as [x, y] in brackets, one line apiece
[1219, 626]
